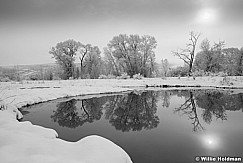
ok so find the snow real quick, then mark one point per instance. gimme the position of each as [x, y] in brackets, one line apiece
[25, 142]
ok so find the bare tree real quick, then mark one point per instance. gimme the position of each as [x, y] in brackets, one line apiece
[84, 50]
[188, 54]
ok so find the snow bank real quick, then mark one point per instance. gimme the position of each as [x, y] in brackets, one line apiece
[24, 142]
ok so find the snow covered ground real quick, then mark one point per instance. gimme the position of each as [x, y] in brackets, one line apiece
[24, 142]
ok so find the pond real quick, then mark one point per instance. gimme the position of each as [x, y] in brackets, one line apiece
[151, 126]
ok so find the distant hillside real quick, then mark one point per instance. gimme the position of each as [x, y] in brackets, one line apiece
[20, 67]
[33, 72]
[33, 66]
[23, 72]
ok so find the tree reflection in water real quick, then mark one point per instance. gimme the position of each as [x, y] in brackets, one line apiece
[213, 104]
[165, 97]
[137, 110]
[133, 112]
[189, 108]
[68, 115]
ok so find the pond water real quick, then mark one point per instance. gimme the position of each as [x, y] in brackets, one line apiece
[151, 126]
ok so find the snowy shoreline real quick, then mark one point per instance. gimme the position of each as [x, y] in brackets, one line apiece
[31, 143]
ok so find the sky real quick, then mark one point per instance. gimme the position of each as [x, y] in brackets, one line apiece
[29, 28]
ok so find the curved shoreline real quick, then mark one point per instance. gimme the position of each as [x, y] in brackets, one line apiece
[16, 95]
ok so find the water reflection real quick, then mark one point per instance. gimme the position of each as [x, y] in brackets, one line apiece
[68, 115]
[138, 110]
[120, 118]
[165, 97]
[189, 109]
[213, 104]
[133, 112]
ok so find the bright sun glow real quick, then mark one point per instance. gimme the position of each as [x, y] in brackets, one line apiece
[206, 16]
[211, 141]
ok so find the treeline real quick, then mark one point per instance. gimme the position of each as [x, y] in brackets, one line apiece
[124, 54]
[132, 55]
[212, 59]
[127, 56]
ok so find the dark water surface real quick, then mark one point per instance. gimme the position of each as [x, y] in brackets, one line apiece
[152, 126]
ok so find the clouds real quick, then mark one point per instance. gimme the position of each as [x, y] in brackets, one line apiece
[105, 9]
[45, 22]
[93, 9]
[125, 10]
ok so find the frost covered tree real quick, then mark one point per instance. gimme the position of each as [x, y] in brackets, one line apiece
[135, 54]
[64, 53]
[147, 58]
[164, 67]
[239, 63]
[232, 61]
[112, 65]
[188, 54]
[92, 63]
[206, 59]
[216, 58]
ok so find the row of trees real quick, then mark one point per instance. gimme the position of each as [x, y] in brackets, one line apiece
[131, 54]
[135, 54]
[211, 58]
[66, 52]
[216, 58]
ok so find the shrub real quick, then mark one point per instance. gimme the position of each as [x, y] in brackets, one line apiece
[33, 77]
[198, 73]
[56, 78]
[226, 81]
[179, 71]
[4, 79]
[2, 107]
[221, 74]
[154, 74]
[123, 76]
[111, 76]
[102, 77]
[137, 76]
